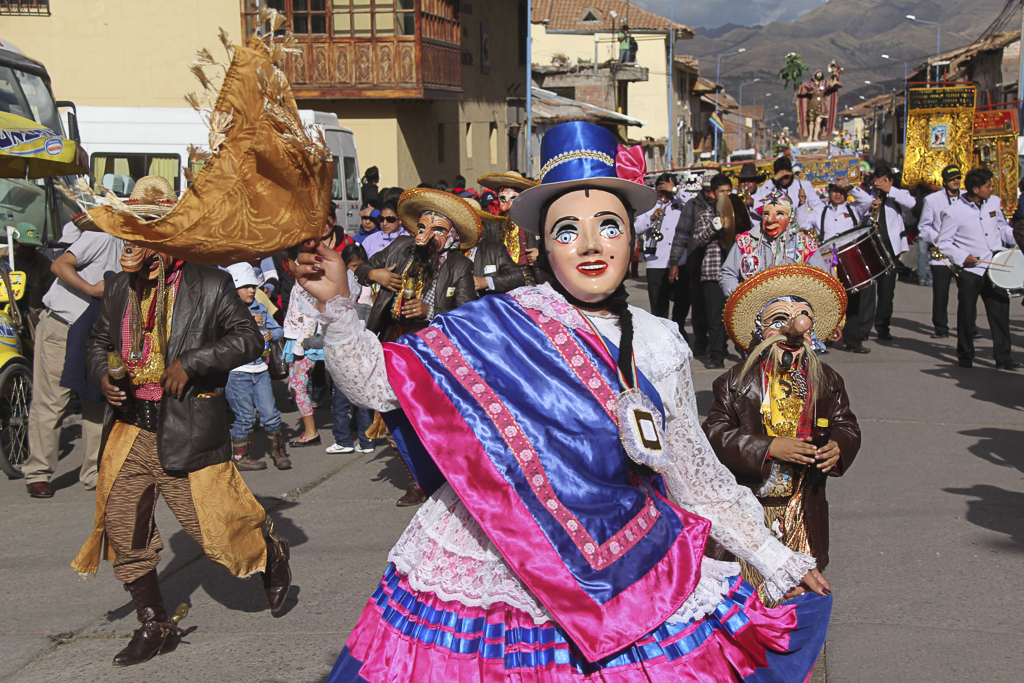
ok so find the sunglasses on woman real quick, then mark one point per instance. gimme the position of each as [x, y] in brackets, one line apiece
[389, 219]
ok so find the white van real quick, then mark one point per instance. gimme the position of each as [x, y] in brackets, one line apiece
[345, 188]
[127, 143]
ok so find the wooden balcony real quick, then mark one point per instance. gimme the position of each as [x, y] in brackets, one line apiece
[424, 65]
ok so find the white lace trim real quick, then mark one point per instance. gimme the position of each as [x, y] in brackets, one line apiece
[790, 574]
[545, 299]
[445, 552]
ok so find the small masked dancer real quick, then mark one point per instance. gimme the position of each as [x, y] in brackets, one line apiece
[656, 229]
[928, 227]
[837, 217]
[779, 241]
[180, 328]
[782, 422]
[971, 230]
[889, 201]
[524, 414]
[498, 227]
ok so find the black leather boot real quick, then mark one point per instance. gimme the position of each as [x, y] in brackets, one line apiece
[158, 635]
[277, 577]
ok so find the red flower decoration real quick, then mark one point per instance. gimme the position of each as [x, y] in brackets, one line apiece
[630, 164]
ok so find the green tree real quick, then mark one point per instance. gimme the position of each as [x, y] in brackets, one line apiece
[792, 72]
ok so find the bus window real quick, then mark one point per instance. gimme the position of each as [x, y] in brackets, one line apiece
[23, 201]
[351, 178]
[40, 102]
[133, 167]
[12, 100]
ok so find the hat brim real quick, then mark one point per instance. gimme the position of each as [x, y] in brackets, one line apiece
[821, 290]
[751, 178]
[464, 218]
[496, 181]
[526, 207]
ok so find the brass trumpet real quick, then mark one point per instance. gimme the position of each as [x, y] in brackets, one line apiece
[937, 255]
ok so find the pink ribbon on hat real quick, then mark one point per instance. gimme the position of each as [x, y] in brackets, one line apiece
[630, 163]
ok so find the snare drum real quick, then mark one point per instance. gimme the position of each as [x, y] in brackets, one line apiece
[1007, 272]
[860, 256]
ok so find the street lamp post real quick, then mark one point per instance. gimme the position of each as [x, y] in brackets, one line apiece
[718, 75]
[906, 99]
[671, 80]
[739, 128]
[938, 40]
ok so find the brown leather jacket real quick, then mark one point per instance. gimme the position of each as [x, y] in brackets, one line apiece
[454, 280]
[212, 332]
[736, 432]
[491, 260]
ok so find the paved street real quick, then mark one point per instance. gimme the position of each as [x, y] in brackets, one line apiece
[927, 541]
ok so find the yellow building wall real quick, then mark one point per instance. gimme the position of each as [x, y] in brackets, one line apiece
[137, 53]
[124, 53]
[647, 100]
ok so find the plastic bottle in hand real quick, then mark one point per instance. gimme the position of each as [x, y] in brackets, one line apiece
[118, 375]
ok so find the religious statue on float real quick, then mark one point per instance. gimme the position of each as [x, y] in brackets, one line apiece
[817, 103]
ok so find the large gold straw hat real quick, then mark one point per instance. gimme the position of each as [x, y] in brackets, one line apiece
[496, 181]
[465, 220]
[821, 290]
[152, 197]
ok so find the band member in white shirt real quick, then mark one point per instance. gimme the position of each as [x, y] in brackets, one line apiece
[928, 227]
[971, 230]
[892, 200]
[655, 229]
[837, 217]
[800, 192]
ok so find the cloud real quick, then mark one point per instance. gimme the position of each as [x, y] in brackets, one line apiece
[742, 12]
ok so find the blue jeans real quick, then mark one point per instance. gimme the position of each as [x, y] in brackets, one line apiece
[340, 411]
[248, 392]
[924, 271]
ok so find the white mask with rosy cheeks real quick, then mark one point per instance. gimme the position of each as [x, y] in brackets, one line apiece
[505, 197]
[432, 227]
[774, 219]
[587, 241]
[794, 320]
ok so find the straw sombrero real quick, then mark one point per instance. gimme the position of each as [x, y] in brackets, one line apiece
[496, 181]
[465, 220]
[153, 197]
[821, 290]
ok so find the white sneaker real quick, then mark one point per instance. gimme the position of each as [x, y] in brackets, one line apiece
[334, 449]
[371, 449]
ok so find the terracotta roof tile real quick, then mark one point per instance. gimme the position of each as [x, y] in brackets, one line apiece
[568, 15]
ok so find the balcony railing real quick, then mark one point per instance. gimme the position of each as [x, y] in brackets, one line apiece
[406, 49]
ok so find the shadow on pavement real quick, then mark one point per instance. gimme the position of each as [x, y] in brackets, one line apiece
[998, 446]
[393, 470]
[996, 509]
[1005, 389]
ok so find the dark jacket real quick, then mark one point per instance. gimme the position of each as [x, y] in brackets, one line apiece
[454, 280]
[494, 231]
[212, 332]
[735, 429]
[491, 260]
[686, 226]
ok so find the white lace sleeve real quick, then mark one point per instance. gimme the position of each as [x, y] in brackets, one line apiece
[354, 356]
[700, 483]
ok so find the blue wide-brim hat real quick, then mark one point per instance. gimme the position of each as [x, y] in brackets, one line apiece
[578, 155]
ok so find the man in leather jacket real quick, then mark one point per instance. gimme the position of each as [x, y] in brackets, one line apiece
[424, 274]
[494, 271]
[766, 410]
[180, 328]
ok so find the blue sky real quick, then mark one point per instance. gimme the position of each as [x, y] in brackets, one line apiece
[743, 12]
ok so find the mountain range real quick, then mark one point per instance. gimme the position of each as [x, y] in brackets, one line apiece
[855, 33]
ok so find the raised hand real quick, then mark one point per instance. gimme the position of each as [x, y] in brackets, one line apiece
[321, 272]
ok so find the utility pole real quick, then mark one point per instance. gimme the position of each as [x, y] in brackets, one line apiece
[671, 80]
[528, 171]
